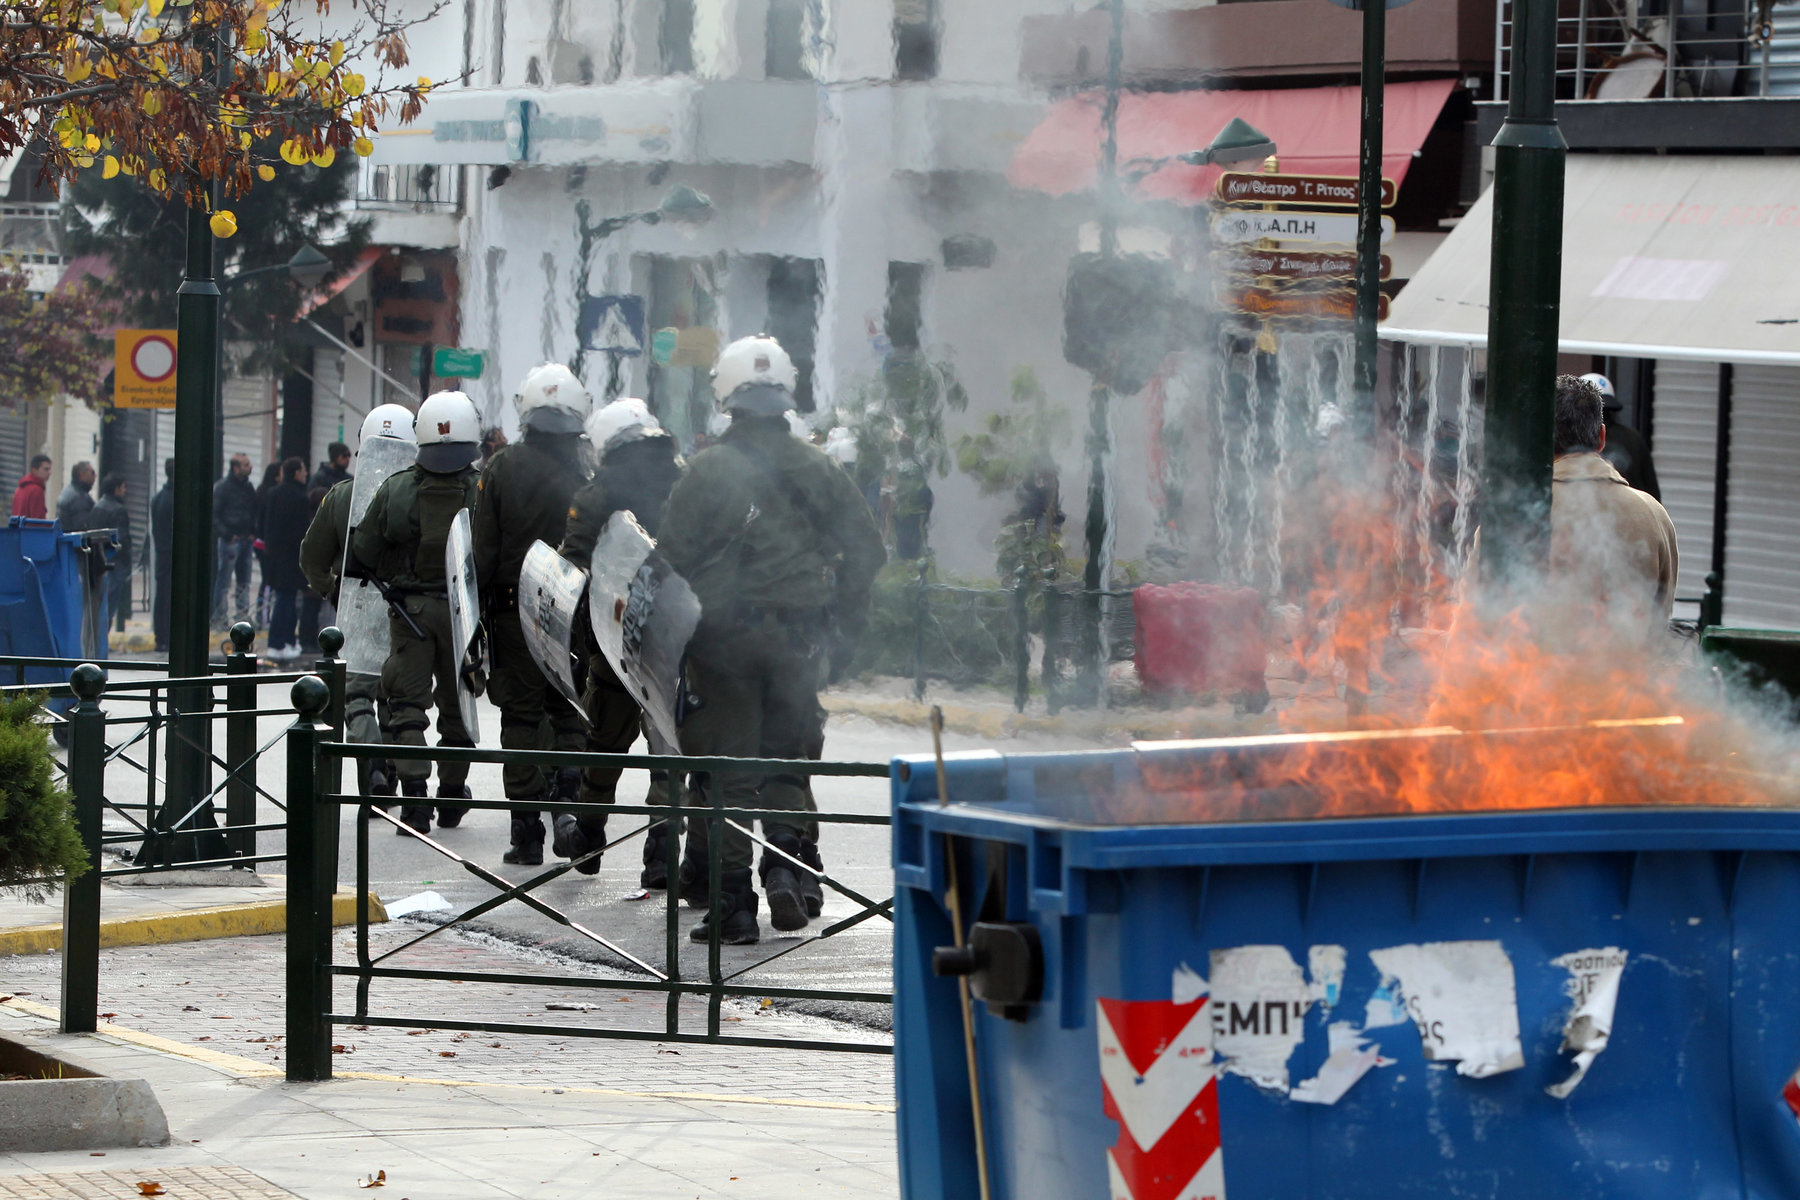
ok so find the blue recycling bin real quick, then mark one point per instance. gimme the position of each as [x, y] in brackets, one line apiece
[1592, 1004]
[51, 605]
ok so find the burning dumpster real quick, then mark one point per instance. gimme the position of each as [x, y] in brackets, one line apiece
[1183, 983]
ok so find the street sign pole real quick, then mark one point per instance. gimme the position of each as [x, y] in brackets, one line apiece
[1523, 298]
[1368, 212]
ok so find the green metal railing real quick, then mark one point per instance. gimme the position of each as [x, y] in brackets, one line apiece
[315, 771]
[968, 634]
[175, 832]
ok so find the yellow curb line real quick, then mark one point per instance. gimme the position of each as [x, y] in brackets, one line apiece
[193, 925]
[251, 1069]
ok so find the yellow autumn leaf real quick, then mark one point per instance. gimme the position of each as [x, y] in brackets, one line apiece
[159, 179]
[152, 104]
[255, 39]
[78, 70]
[109, 168]
[156, 7]
[82, 160]
[148, 34]
[337, 53]
[265, 172]
[325, 157]
[223, 223]
[92, 142]
[244, 140]
[130, 166]
[424, 84]
[353, 84]
[293, 153]
[363, 147]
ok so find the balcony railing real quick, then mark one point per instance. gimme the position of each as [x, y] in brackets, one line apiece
[1640, 49]
[411, 187]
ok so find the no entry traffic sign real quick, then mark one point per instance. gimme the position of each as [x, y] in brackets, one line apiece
[144, 368]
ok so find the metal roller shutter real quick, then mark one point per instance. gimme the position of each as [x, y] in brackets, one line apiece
[249, 412]
[1762, 540]
[14, 446]
[1687, 426]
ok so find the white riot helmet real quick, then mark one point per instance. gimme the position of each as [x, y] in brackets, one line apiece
[388, 421]
[552, 400]
[620, 423]
[1608, 397]
[449, 432]
[754, 375]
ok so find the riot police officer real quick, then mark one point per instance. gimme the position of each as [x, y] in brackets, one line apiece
[638, 466]
[400, 541]
[322, 561]
[524, 495]
[781, 550]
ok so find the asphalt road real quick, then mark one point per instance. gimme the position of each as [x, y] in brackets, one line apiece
[611, 905]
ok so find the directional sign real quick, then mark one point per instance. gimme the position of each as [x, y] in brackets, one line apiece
[1336, 191]
[1236, 226]
[144, 368]
[1294, 264]
[1338, 304]
[451, 362]
[614, 324]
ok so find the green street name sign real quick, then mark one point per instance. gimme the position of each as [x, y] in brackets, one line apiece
[451, 362]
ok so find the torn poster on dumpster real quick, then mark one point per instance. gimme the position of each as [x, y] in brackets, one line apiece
[1462, 998]
[1352, 1056]
[1259, 1003]
[1593, 987]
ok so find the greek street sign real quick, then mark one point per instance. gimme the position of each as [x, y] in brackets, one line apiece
[1337, 191]
[1293, 264]
[1338, 304]
[1236, 226]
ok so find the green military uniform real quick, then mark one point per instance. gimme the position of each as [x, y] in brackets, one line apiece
[321, 561]
[779, 547]
[401, 541]
[523, 497]
[634, 478]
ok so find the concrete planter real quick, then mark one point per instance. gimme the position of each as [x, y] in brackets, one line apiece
[63, 1105]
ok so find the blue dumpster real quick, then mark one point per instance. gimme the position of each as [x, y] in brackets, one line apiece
[1568, 1005]
[50, 602]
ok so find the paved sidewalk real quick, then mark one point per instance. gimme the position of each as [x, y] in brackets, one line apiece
[449, 1114]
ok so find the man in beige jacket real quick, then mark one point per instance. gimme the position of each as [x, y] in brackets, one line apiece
[1613, 558]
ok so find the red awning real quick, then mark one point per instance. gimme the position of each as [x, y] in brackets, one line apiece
[345, 278]
[1316, 130]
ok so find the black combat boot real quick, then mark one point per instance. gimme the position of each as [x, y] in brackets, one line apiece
[812, 892]
[527, 849]
[737, 912]
[414, 814]
[575, 836]
[451, 815]
[781, 881]
[690, 876]
[655, 875]
[383, 782]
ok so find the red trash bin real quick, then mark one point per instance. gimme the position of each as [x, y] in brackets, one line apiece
[1199, 638]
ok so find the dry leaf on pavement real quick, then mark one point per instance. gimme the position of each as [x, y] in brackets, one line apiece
[149, 1187]
[378, 1179]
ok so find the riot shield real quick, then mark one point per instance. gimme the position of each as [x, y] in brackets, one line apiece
[550, 588]
[362, 613]
[643, 614]
[465, 611]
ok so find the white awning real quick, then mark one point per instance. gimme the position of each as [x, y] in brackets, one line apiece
[1663, 257]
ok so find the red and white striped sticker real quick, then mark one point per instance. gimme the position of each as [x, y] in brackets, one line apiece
[1160, 1084]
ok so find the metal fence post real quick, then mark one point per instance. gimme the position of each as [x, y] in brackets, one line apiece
[311, 850]
[336, 674]
[81, 896]
[240, 744]
[918, 655]
[1021, 641]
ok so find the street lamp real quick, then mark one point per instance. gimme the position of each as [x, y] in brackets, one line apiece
[1238, 142]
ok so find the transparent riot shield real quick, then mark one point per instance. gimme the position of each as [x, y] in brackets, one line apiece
[550, 588]
[362, 613]
[465, 611]
[643, 614]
